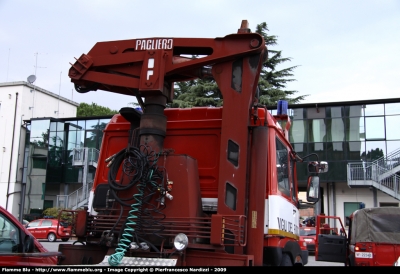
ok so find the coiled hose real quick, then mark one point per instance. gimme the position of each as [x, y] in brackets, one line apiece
[139, 164]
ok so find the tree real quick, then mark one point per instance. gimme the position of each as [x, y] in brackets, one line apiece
[85, 110]
[196, 93]
[272, 82]
[372, 155]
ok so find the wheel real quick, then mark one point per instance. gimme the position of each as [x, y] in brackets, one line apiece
[51, 237]
[286, 261]
[65, 239]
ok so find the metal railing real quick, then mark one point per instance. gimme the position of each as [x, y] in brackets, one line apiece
[76, 199]
[79, 197]
[389, 161]
[78, 158]
[373, 174]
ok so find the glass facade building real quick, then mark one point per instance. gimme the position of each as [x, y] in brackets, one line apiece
[48, 171]
[344, 132]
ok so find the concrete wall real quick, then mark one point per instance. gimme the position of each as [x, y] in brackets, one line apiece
[343, 193]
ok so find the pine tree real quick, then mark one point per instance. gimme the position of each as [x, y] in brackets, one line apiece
[272, 82]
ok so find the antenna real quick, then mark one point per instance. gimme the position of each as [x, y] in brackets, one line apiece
[31, 79]
[36, 67]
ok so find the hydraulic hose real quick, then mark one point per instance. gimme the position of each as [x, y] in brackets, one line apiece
[139, 165]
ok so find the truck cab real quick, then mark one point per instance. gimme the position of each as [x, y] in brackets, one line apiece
[18, 247]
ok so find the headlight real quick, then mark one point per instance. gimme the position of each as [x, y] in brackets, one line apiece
[181, 241]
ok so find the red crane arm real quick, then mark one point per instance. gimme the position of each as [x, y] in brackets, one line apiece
[149, 66]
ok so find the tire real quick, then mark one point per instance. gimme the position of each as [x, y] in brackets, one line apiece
[51, 237]
[65, 239]
[286, 261]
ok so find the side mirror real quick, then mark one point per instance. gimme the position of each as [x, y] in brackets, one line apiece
[318, 167]
[313, 189]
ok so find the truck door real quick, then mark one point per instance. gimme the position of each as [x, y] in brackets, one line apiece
[331, 246]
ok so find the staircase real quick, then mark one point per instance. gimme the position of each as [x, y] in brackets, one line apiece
[381, 174]
[83, 157]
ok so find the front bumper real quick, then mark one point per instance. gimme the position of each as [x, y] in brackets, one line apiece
[311, 247]
[304, 256]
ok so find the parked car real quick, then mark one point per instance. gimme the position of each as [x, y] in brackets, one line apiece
[50, 229]
[308, 235]
[25, 222]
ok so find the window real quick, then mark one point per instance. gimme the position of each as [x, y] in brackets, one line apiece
[46, 223]
[34, 223]
[233, 153]
[317, 130]
[335, 130]
[349, 208]
[392, 122]
[9, 236]
[298, 131]
[375, 128]
[308, 232]
[388, 204]
[355, 130]
[292, 179]
[230, 196]
[373, 110]
[282, 167]
[392, 108]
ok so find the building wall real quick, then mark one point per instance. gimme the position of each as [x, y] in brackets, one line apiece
[21, 101]
[345, 194]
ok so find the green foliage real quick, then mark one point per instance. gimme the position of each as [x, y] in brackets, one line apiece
[196, 93]
[85, 110]
[272, 82]
[54, 212]
[44, 142]
[372, 155]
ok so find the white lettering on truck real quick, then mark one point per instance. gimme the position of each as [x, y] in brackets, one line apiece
[149, 44]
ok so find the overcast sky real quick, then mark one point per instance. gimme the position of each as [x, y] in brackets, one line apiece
[345, 50]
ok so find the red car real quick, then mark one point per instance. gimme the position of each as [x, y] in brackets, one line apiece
[304, 250]
[49, 229]
[308, 234]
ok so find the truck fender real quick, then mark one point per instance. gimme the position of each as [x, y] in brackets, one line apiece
[293, 249]
[273, 254]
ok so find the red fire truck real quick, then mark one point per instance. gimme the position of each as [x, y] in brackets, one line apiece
[205, 186]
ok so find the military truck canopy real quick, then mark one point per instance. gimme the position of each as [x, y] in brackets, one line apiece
[379, 224]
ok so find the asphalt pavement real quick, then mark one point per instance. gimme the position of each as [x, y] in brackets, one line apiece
[53, 246]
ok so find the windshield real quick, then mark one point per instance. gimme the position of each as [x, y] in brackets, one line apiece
[307, 232]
